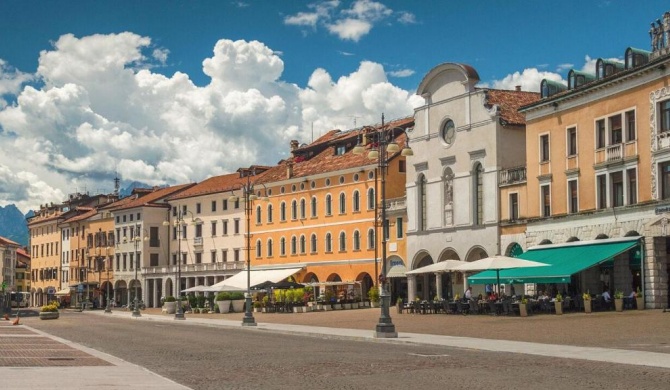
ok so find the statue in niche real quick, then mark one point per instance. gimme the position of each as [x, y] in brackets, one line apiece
[448, 200]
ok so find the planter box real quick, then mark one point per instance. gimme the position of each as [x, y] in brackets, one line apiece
[170, 307]
[366, 304]
[618, 304]
[523, 310]
[319, 306]
[327, 307]
[346, 306]
[639, 301]
[238, 305]
[559, 308]
[374, 304]
[588, 306]
[224, 306]
[257, 309]
[49, 315]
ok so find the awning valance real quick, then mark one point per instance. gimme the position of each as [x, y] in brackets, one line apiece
[238, 282]
[63, 292]
[397, 271]
[564, 261]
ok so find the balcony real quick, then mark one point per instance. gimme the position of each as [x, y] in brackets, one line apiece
[615, 153]
[512, 176]
[396, 204]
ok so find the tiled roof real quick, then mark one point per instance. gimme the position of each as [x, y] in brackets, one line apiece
[40, 218]
[216, 184]
[83, 213]
[22, 252]
[326, 160]
[149, 200]
[118, 203]
[509, 103]
[7, 241]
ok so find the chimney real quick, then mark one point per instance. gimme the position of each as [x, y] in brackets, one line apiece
[294, 145]
[517, 88]
[289, 169]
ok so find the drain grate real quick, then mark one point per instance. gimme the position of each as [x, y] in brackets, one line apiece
[60, 358]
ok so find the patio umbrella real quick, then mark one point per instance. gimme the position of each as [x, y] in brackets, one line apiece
[441, 266]
[285, 285]
[497, 263]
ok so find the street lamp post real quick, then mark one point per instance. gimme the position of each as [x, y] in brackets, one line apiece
[108, 306]
[385, 144]
[249, 197]
[179, 224]
[137, 240]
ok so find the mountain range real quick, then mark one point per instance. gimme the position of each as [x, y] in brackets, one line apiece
[13, 224]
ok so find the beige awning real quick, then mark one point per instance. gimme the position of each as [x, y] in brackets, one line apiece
[63, 292]
[238, 282]
[397, 271]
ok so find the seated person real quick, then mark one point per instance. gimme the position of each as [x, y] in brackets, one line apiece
[632, 295]
[606, 296]
[493, 297]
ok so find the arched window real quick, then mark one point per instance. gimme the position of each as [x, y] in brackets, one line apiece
[282, 211]
[270, 247]
[294, 245]
[329, 242]
[269, 213]
[258, 248]
[371, 238]
[343, 203]
[303, 206]
[357, 240]
[421, 196]
[258, 215]
[312, 244]
[282, 246]
[303, 245]
[356, 202]
[343, 241]
[371, 199]
[313, 206]
[329, 205]
[478, 201]
[294, 210]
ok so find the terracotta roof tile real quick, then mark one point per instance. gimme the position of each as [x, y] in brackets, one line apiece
[216, 184]
[22, 252]
[7, 241]
[149, 200]
[82, 215]
[509, 103]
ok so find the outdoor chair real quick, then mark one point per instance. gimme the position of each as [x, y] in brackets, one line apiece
[492, 308]
[462, 308]
[474, 307]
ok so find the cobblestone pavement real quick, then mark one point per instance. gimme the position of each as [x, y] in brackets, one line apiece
[644, 330]
[211, 357]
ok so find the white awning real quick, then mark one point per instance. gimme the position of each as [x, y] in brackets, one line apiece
[442, 266]
[397, 271]
[196, 289]
[63, 292]
[238, 282]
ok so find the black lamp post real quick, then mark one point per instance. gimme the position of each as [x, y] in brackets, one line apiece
[249, 197]
[385, 144]
[137, 240]
[108, 306]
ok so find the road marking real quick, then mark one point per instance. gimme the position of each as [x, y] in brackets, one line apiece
[423, 355]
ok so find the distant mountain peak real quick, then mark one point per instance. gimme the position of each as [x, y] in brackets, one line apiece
[13, 224]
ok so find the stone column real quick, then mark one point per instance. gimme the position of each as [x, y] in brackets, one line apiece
[411, 288]
[438, 284]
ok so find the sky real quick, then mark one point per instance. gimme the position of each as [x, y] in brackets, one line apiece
[169, 92]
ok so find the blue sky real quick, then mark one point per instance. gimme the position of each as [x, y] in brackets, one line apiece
[132, 73]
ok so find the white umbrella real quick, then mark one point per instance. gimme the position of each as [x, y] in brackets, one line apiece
[195, 289]
[497, 263]
[442, 266]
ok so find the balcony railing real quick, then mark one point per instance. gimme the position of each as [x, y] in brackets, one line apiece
[396, 204]
[197, 241]
[614, 152]
[228, 266]
[512, 175]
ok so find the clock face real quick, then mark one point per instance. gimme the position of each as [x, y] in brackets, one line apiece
[449, 132]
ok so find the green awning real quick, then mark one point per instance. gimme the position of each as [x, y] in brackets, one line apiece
[564, 261]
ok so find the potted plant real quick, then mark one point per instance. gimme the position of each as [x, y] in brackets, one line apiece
[223, 300]
[399, 305]
[49, 311]
[257, 307]
[266, 304]
[329, 299]
[237, 303]
[373, 295]
[170, 305]
[618, 300]
[558, 304]
[523, 307]
[587, 302]
[639, 299]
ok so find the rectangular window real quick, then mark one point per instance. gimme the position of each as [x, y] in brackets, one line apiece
[198, 208]
[339, 150]
[153, 260]
[237, 226]
[131, 217]
[225, 227]
[630, 126]
[546, 201]
[573, 206]
[212, 256]
[198, 230]
[544, 148]
[402, 166]
[386, 230]
[665, 180]
[399, 233]
[616, 132]
[617, 189]
[572, 141]
[183, 258]
[237, 203]
[198, 257]
[224, 255]
[632, 186]
[513, 207]
[236, 255]
[225, 204]
[601, 182]
[213, 228]
[154, 242]
[600, 134]
[665, 116]
[174, 259]
[174, 211]
[213, 206]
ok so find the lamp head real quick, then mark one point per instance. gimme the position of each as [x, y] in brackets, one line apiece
[392, 147]
[373, 155]
[358, 149]
[407, 151]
